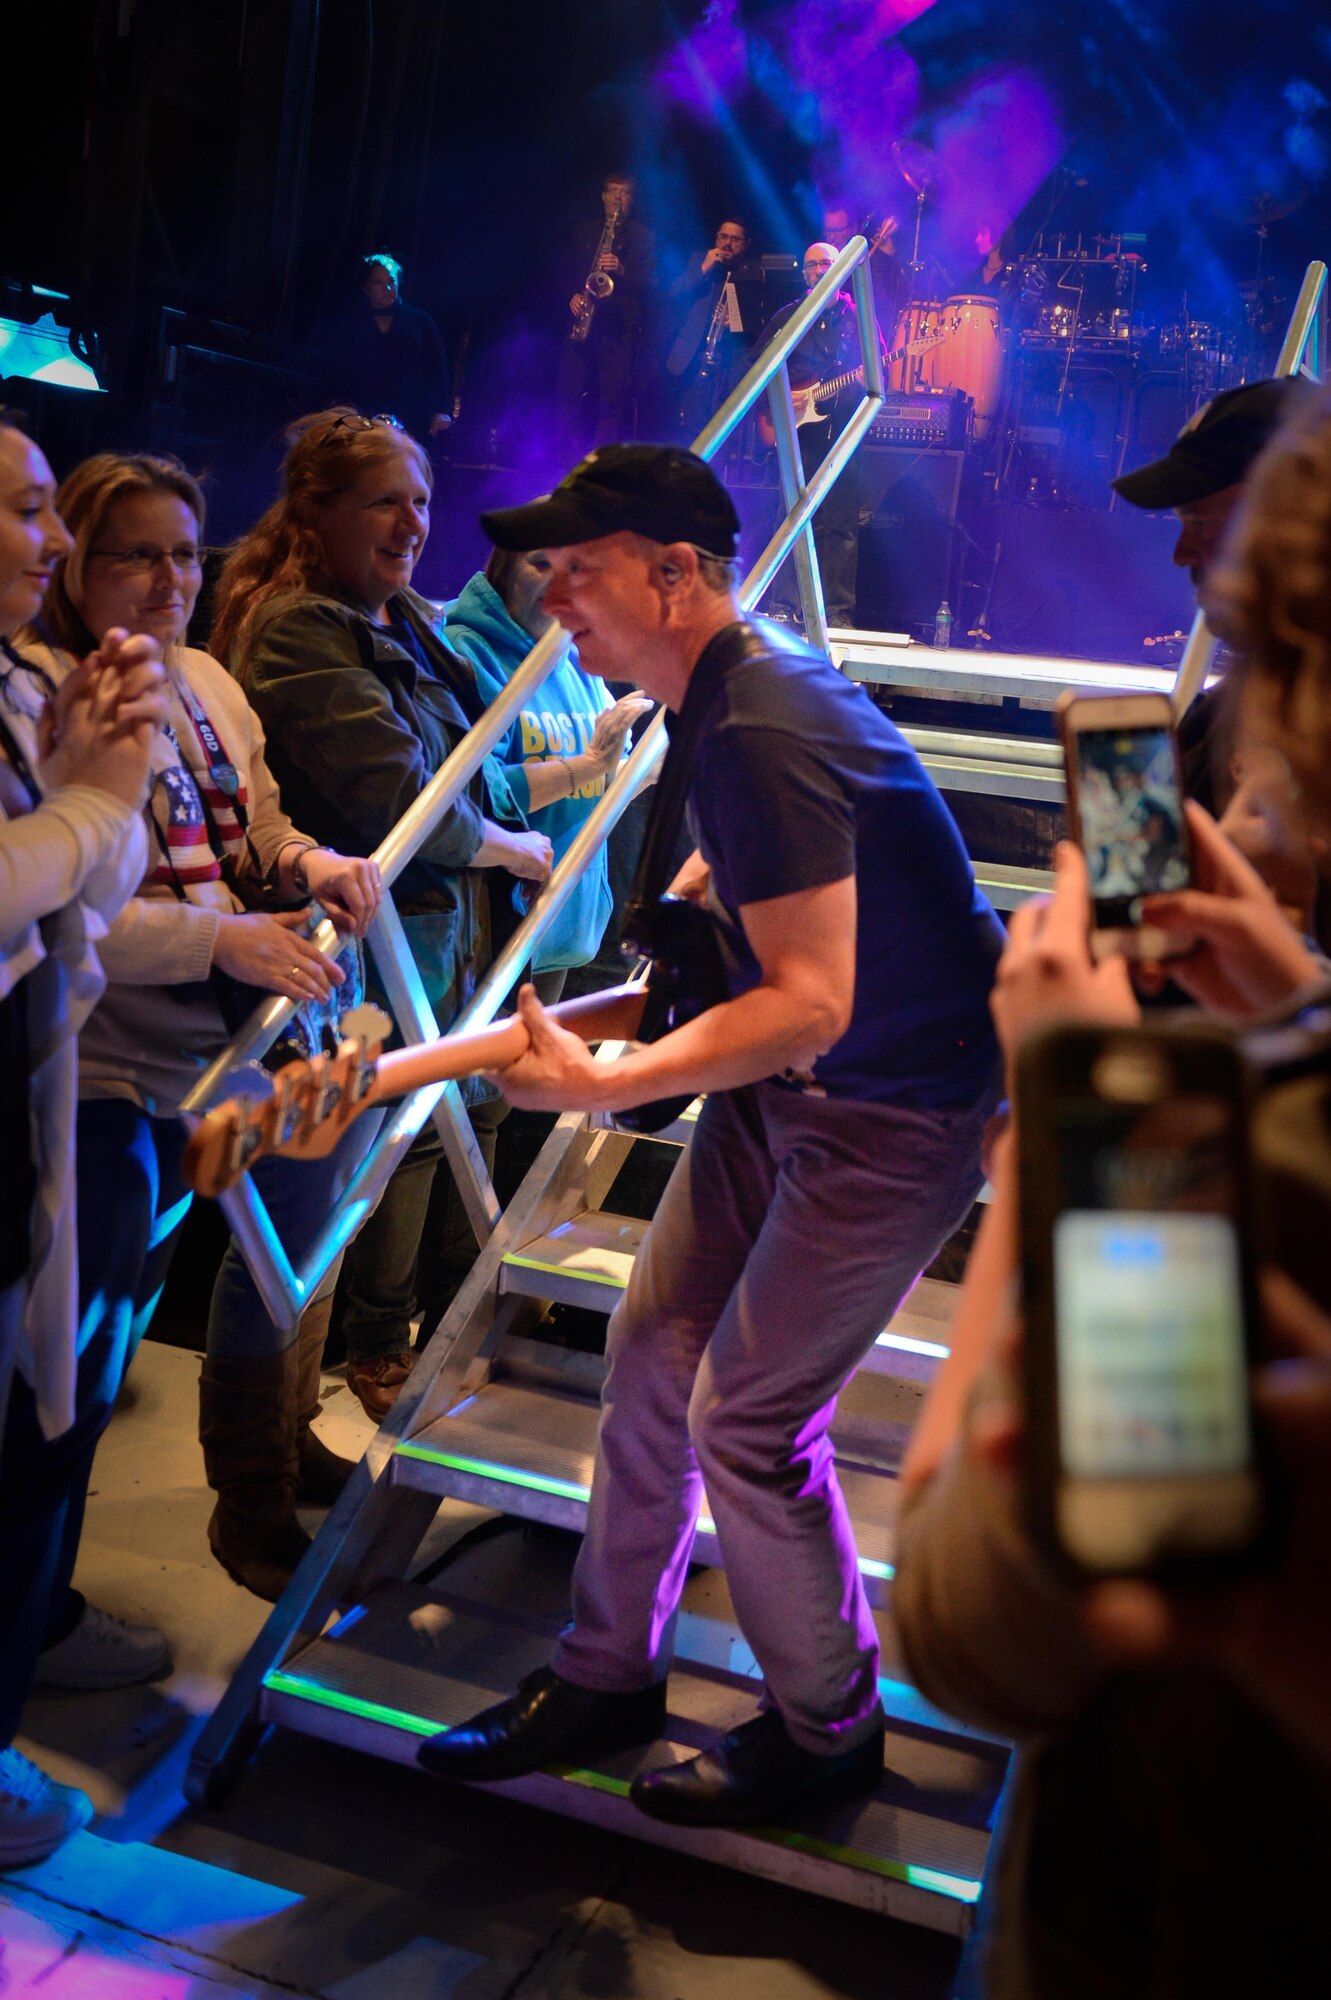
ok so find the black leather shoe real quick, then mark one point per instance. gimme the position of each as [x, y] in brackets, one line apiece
[754, 1774]
[548, 1721]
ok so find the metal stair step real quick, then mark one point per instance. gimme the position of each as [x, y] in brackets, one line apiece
[1008, 887]
[587, 1261]
[529, 1452]
[409, 1662]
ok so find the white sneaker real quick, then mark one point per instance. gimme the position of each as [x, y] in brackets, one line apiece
[103, 1652]
[36, 1814]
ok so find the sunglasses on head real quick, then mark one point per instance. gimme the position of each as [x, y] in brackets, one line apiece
[357, 423]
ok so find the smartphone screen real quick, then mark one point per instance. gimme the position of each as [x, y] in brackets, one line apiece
[1154, 1437]
[1130, 814]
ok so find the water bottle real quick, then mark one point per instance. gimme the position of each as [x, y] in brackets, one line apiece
[943, 627]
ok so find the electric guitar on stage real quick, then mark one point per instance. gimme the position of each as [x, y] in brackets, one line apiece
[807, 399]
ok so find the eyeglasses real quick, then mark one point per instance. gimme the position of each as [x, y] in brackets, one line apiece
[358, 424]
[143, 561]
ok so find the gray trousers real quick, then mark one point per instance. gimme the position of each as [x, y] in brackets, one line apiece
[787, 1237]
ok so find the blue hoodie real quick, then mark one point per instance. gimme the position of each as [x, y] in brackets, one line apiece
[477, 625]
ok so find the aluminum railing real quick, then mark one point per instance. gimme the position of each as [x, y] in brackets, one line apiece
[1303, 352]
[285, 1290]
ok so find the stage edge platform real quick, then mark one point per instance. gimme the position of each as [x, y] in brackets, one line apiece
[1034, 679]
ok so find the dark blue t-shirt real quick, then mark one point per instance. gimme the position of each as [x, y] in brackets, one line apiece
[800, 781]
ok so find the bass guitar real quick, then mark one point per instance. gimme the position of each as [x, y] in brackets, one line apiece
[302, 1110]
[807, 399]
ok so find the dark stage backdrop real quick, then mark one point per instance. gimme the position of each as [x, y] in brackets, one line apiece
[201, 178]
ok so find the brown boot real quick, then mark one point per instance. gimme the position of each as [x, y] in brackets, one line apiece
[322, 1473]
[378, 1382]
[247, 1427]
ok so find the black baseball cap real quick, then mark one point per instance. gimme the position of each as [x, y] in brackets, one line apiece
[1216, 447]
[657, 490]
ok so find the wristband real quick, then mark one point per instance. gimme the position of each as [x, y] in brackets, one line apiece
[572, 782]
[299, 880]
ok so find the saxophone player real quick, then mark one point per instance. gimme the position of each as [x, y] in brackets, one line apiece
[597, 379]
[721, 286]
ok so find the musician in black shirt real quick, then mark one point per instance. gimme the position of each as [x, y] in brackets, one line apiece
[597, 382]
[386, 357]
[703, 361]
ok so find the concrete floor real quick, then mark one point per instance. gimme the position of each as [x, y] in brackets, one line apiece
[331, 1874]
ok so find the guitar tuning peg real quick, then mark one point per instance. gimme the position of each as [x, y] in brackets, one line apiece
[366, 1025]
[249, 1081]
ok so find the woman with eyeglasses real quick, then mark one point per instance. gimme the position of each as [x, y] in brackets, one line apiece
[215, 926]
[362, 702]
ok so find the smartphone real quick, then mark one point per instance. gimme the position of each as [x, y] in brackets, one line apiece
[1125, 805]
[1139, 1303]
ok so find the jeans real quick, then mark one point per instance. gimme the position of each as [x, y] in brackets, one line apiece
[298, 1195]
[379, 1278]
[131, 1202]
[787, 1237]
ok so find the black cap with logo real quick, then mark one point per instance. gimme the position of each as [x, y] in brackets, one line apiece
[1216, 447]
[657, 490]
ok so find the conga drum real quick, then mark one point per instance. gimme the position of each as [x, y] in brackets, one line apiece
[914, 322]
[969, 356]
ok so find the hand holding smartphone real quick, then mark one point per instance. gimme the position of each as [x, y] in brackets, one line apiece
[1138, 1300]
[1125, 807]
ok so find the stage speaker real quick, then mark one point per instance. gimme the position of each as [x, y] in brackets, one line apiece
[906, 548]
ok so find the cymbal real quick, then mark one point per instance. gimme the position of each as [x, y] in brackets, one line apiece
[1253, 206]
[915, 163]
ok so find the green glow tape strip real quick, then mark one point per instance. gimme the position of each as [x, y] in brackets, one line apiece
[565, 1271]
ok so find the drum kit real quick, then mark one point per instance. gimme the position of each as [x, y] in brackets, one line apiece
[1069, 308]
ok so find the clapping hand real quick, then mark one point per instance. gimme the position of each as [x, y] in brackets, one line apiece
[99, 726]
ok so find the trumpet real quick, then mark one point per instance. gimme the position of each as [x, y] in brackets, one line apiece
[720, 324]
[598, 284]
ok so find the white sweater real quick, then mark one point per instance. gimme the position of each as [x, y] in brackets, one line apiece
[73, 861]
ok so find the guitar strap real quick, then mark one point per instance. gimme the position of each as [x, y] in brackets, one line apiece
[670, 796]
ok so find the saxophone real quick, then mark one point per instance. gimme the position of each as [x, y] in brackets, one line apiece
[598, 284]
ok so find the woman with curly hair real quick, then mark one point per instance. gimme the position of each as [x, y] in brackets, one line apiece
[362, 702]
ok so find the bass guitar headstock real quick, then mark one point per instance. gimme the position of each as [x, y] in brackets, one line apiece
[301, 1112]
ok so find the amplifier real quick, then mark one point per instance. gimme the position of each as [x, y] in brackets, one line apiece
[932, 420]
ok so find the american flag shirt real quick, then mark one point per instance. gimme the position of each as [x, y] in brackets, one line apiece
[185, 795]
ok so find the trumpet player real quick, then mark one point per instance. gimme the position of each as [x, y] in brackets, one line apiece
[598, 363]
[720, 284]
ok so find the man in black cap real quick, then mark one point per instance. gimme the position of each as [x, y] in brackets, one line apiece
[848, 1077]
[1201, 476]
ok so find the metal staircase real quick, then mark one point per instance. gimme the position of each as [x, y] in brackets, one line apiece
[497, 1416]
